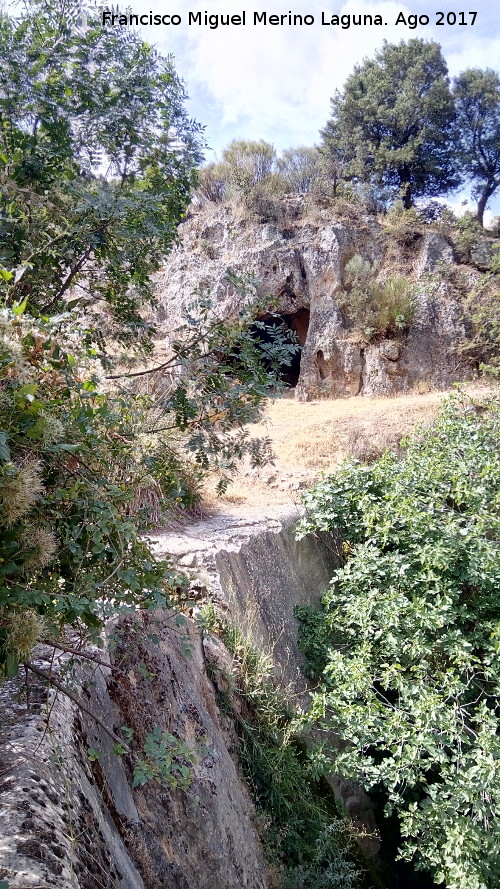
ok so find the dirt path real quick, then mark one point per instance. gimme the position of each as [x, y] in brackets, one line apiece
[313, 437]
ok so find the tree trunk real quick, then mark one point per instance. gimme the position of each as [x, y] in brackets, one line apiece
[486, 194]
[405, 192]
[407, 199]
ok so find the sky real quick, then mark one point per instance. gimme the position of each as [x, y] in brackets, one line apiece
[275, 82]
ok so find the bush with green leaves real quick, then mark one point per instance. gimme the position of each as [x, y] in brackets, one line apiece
[69, 552]
[77, 455]
[376, 308]
[213, 183]
[303, 169]
[248, 163]
[406, 644]
[403, 226]
[252, 172]
[466, 234]
[97, 161]
[331, 867]
[482, 303]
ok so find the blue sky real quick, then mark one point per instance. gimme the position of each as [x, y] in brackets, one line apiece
[275, 83]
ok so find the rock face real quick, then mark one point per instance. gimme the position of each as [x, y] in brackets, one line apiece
[298, 260]
[72, 821]
[257, 572]
[55, 828]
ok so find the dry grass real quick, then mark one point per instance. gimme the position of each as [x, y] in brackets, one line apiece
[314, 437]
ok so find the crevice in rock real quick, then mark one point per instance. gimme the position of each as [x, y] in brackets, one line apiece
[361, 371]
[321, 364]
[287, 290]
[301, 267]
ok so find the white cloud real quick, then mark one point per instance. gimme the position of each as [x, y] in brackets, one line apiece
[275, 83]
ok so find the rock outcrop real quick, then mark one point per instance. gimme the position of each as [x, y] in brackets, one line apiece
[257, 572]
[298, 260]
[72, 820]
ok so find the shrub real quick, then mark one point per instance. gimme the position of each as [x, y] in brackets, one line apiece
[495, 259]
[302, 834]
[302, 169]
[403, 226]
[467, 233]
[376, 308]
[262, 205]
[483, 306]
[213, 183]
[436, 212]
[331, 866]
[394, 306]
[248, 163]
[407, 640]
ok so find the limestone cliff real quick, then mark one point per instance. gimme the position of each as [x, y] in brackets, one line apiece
[298, 258]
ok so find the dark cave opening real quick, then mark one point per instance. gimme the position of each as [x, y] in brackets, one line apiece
[298, 322]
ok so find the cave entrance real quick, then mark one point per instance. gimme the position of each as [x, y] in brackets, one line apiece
[298, 322]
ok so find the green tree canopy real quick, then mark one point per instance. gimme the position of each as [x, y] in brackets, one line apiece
[97, 159]
[392, 124]
[477, 100]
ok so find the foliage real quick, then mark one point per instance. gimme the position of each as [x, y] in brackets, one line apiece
[376, 308]
[97, 159]
[302, 169]
[483, 306]
[335, 154]
[248, 163]
[495, 259]
[411, 677]
[253, 172]
[477, 102]
[436, 212]
[392, 124]
[466, 233]
[166, 760]
[222, 372]
[213, 182]
[300, 828]
[403, 226]
[69, 553]
[330, 868]
[76, 457]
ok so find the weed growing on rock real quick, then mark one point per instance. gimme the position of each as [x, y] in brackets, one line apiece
[302, 834]
[376, 308]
